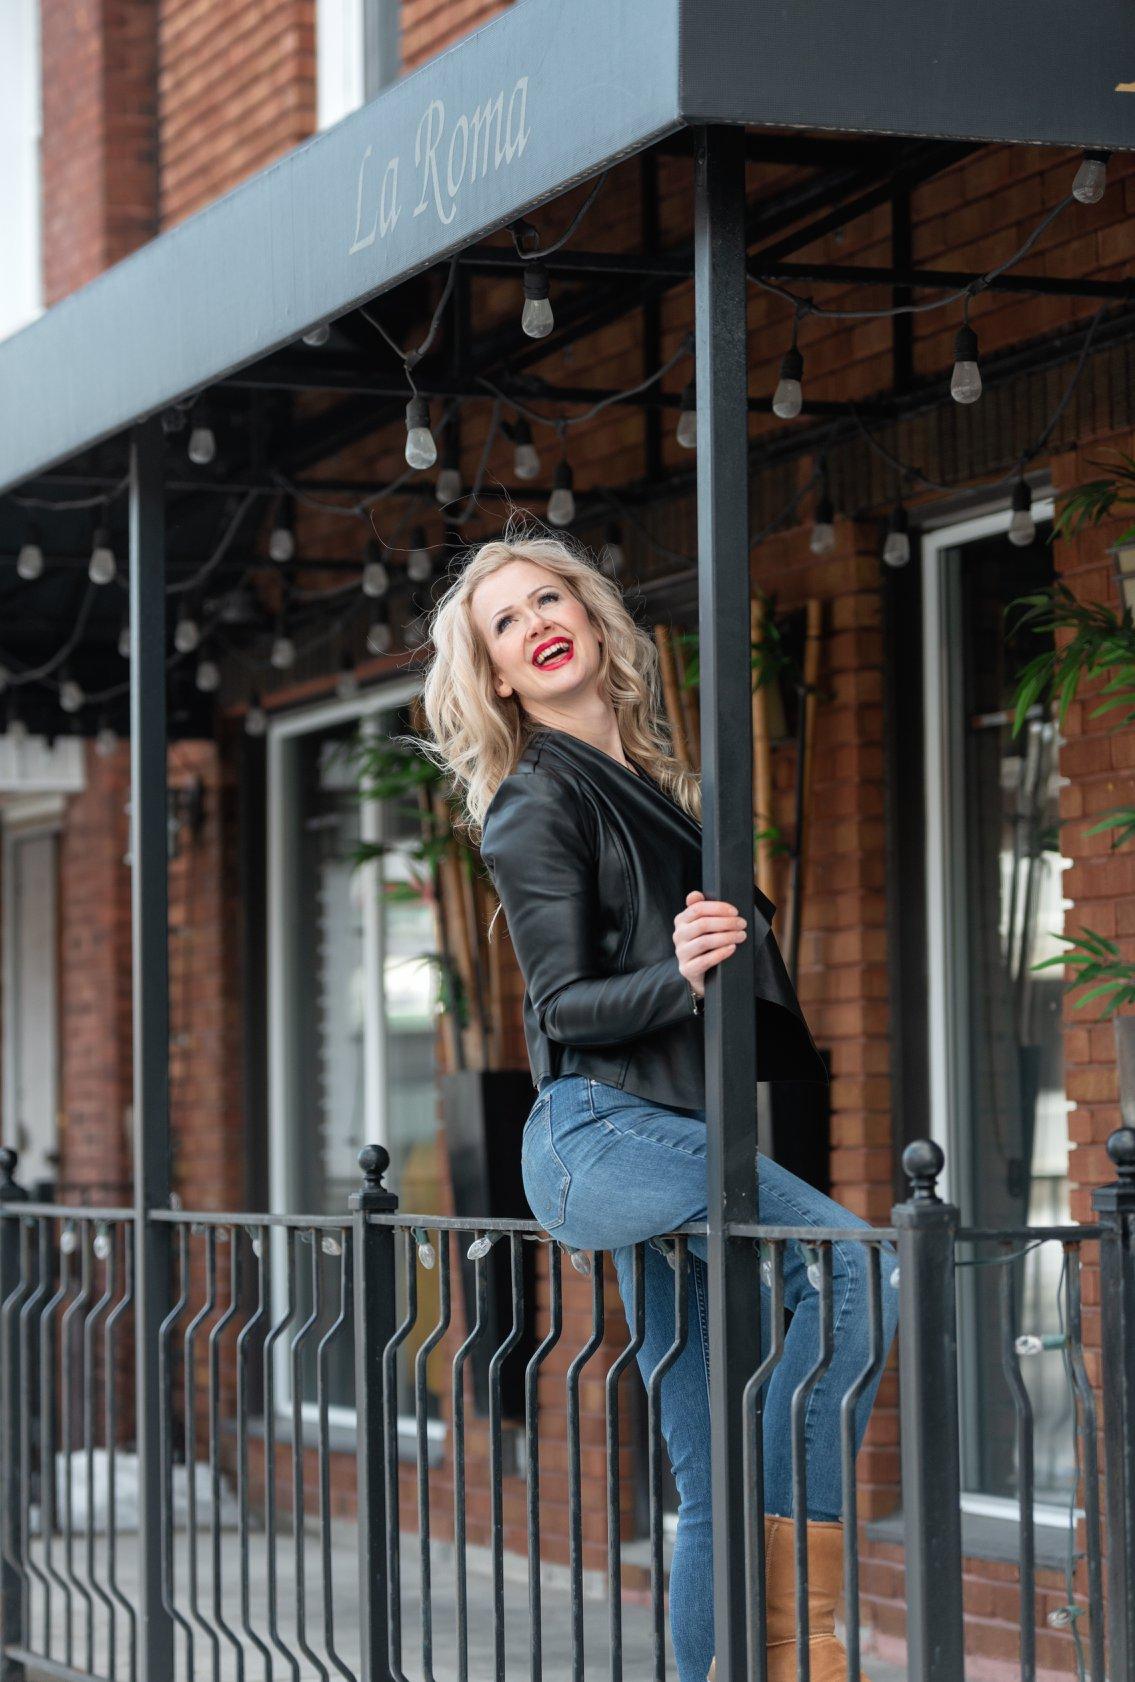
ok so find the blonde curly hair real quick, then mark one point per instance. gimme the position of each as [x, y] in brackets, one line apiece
[477, 737]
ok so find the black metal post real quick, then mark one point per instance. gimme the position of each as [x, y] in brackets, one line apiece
[13, 1631]
[928, 1402]
[374, 1294]
[1115, 1206]
[727, 848]
[150, 919]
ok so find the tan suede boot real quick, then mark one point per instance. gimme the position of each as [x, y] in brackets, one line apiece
[827, 1658]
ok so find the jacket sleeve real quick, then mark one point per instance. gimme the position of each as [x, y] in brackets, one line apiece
[537, 846]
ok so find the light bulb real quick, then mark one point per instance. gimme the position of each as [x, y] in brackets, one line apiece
[330, 1245]
[106, 741]
[379, 638]
[100, 1244]
[70, 695]
[561, 503]
[965, 381]
[69, 1239]
[101, 568]
[347, 683]
[255, 719]
[581, 1262]
[448, 487]
[207, 676]
[427, 1255]
[611, 555]
[687, 433]
[419, 566]
[317, 335]
[788, 398]
[202, 446]
[1022, 526]
[282, 543]
[29, 562]
[822, 541]
[187, 633]
[480, 1247]
[124, 641]
[896, 549]
[283, 652]
[1091, 178]
[376, 579]
[536, 318]
[525, 456]
[421, 449]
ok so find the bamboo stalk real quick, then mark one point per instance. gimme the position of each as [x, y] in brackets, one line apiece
[762, 759]
[670, 693]
[691, 712]
[813, 649]
[457, 925]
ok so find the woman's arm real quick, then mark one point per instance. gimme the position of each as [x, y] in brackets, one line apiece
[538, 849]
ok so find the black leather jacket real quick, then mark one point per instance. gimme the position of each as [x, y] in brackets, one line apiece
[592, 863]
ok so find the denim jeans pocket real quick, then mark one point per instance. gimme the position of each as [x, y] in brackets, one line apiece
[605, 1100]
[546, 1178]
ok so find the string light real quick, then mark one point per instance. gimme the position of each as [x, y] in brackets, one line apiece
[17, 730]
[71, 695]
[187, 632]
[255, 719]
[421, 446]
[1090, 182]
[561, 503]
[536, 318]
[687, 430]
[106, 740]
[965, 381]
[29, 561]
[612, 554]
[379, 636]
[376, 578]
[347, 683]
[822, 541]
[282, 541]
[1022, 526]
[317, 336]
[419, 566]
[283, 653]
[525, 456]
[896, 549]
[202, 446]
[102, 567]
[207, 676]
[788, 398]
[449, 487]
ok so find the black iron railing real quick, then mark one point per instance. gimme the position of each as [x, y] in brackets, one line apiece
[257, 1572]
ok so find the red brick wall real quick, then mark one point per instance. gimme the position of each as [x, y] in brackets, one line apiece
[99, 158]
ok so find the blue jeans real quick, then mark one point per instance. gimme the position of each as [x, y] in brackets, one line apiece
[606, 1170]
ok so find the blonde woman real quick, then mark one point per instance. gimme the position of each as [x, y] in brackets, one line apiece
[542, 698]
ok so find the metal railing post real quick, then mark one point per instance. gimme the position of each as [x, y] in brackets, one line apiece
[1115, 1206]
[12, 1628]
[928, 1402]
[374, 1292]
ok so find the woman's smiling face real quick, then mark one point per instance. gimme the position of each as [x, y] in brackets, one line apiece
[523, 611]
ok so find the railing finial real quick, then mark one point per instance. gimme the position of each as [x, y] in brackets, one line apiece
[1121, 1150]
[923, 1161]
[10, 1192]
[372, 1195]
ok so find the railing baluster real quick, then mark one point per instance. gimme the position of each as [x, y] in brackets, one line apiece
[15, 1593]
[532, 1456]
[49, 1496]
[28, 1316]
[575, 1482]
[618, 1367]
[1089, 1465]
[342, 1242]
[96, 1313]
[654, 1453]
[67, 1339]
[1115, 1205]
[374, 1308]
[275, 1333]
[876, 1356]
[390, 1452]
[460, 1560]
[165, 1439]
[298, 1549]
[421, 1420]
[244, 1345]
[190, 1378]
[121, 1309]
[496, 1469]
[1022, 1408]
[799, 1460]
[753, 1467]
[215, 1334]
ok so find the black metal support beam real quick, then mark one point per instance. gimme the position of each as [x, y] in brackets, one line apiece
[902, 326]
[150, 917]
[727, 850]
